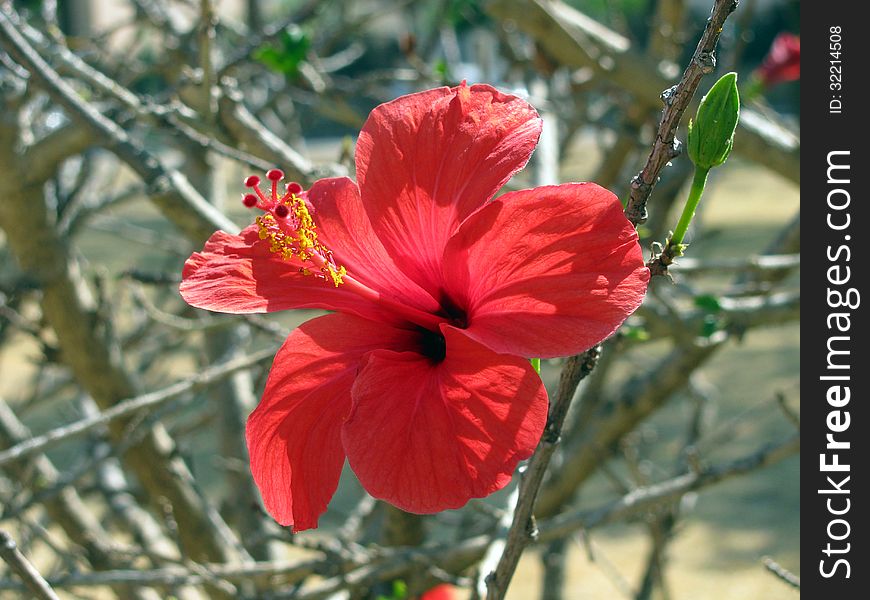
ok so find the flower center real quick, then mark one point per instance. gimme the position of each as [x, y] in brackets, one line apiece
[433, 345]
[455, 314]
[289, 228]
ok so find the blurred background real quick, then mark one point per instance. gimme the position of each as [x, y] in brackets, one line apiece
[126, 129]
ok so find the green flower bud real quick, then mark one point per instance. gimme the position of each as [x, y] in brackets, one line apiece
[712, 132]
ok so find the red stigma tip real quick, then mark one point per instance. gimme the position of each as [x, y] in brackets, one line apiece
[252, 181]
[281, 211]
[275, 175]
[249, 200]
[294, 188]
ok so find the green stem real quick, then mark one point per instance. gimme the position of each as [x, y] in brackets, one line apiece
[698, 183]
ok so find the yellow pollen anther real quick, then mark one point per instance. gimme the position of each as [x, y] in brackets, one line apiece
[295, 236]
[337, 274]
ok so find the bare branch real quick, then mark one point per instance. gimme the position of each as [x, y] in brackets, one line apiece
[638, 398]
[131, 406]
[44, 156]
[33, 581]
[642, 499]
[788, 240]
[737, 314]
[287, 572]
[523, 528]
[754, 264]
[258, 140]
[69, 309]
[781, 572]
[206, 35]
[68, 509]
[366, 568]
[575, 40]
[677, 99]
[170, 190]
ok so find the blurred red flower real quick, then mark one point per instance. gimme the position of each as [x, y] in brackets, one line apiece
[783, 61]
[439, 592]
[421, 378]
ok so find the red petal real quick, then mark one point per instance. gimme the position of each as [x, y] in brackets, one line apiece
[344, 227]
[426, 161]
[294, 436]
[428, 436]
[238, 274]
[546, 272]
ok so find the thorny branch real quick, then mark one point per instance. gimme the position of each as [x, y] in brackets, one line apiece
[676, 99]
[523, 528]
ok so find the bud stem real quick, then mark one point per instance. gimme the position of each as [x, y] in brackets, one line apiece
[697, 189]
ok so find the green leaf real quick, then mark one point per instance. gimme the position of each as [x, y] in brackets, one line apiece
[442, 70]
[286, 54]
[399, 591]
[636, 333]
[536, 364]
[708, 302]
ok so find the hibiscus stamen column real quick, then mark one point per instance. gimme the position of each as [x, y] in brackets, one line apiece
[289, 228]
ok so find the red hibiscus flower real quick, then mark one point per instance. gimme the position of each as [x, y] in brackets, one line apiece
[439, 592]
[783, 61]
[420, 379]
